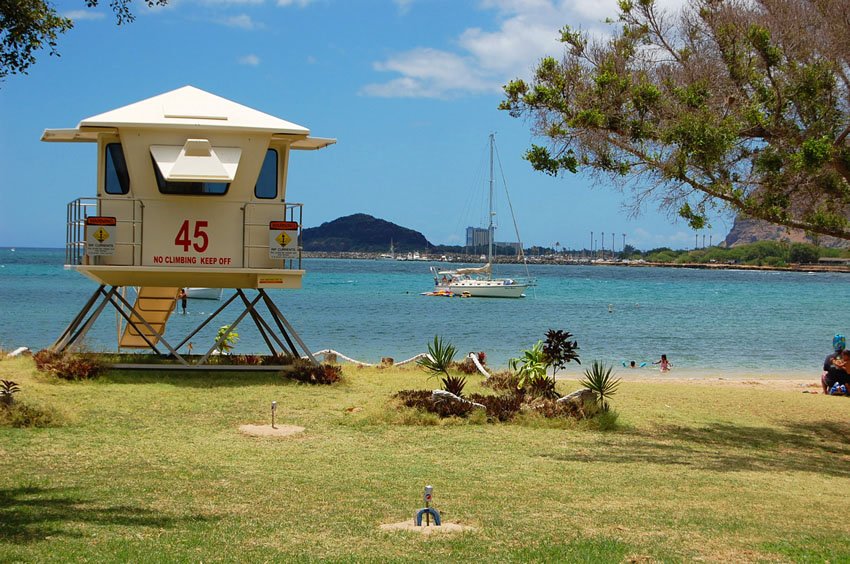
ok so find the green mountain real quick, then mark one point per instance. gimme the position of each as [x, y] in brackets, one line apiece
[363, 233]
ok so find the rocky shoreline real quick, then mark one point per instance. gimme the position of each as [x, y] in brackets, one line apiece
[563, 260]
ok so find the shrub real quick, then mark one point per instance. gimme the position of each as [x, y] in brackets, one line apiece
[530, 366]
[559, 350]
[305, 371]
[504, 381]
[277, 359]
[466, 366]
[422, 399]
[248, 359]
[44, 358]
[454, 384]
[21, 414]
[228, 339]
[68, 366]
[501, 408]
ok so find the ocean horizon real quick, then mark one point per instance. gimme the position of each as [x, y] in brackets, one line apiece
[704, 321]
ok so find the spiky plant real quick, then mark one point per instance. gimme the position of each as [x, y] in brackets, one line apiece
[440, 357]
[8, 389]
[454, 384]
[599, 378]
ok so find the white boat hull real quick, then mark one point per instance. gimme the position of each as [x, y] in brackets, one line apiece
[485, 288]
[204, 293]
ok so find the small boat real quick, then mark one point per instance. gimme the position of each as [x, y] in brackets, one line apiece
[479, 282]
[390, 255]
[204, 293]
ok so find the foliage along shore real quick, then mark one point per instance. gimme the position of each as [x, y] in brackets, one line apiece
[763, 255]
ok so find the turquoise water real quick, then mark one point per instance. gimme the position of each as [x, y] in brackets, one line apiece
[735, 320]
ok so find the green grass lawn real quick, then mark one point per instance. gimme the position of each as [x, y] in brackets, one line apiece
[150, 466]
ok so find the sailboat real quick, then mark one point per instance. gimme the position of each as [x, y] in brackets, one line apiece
[390, 255]
[479, 282]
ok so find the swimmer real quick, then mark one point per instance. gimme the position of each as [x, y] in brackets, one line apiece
[666, 365]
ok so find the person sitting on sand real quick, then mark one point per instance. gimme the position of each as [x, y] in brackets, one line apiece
[666, 365]
[837, 373]
[838, 345]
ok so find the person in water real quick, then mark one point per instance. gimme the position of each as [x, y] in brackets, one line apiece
[838, 345]
[666, 365]
[183, 297]
[837, 373]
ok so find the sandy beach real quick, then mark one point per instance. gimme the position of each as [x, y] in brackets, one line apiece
[773, 380]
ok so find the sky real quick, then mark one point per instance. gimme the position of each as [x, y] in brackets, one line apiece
[409, 88]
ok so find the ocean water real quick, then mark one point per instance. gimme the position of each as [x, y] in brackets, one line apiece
[731, 320]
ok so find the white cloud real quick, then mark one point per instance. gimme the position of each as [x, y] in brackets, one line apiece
[242, 21]
[429, 73]
[484, 60]
[79, 15]
[299, 3]
[403, 5]
[250, 60]
[232, 2]
[643, 239]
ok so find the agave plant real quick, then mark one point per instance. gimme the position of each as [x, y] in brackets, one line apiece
[7, 390]
[599, 378]
[440, 357]
[454, 384]
[531, 366]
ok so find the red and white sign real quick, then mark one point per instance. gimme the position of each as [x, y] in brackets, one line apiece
[283, 240]
[100, 236]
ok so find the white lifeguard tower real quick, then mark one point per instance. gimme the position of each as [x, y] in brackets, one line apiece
[191, 192]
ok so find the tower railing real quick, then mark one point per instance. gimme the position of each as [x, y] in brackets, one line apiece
[81, 208]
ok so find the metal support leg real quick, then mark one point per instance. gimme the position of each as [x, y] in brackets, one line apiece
[223, 337]
[258, 321]
[81, 332]
[77, 319]
[207, 320]
[279, 316]
[147, 326]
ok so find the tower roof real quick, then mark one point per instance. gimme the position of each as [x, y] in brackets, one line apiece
[192, 107]
[187, 108]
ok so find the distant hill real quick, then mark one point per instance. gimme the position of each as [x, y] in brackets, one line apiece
[363, 233]
[745, 231]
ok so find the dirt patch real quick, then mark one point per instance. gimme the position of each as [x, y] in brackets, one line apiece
[268, 431]
[433, 529]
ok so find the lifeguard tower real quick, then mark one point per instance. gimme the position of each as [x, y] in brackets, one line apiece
[191, 192]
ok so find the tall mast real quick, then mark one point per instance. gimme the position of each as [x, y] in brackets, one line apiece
[492, 213]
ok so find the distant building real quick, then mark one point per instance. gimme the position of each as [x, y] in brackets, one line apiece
[517, 247]
[477, 237]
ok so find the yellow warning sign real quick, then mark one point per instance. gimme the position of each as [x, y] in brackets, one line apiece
[283, 244]
[283, 239]
[101, 235]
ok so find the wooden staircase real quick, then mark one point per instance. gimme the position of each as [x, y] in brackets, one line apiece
[154, 305]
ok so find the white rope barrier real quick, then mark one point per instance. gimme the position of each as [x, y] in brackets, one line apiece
[478, 365]
[472, 355]
[361, 363]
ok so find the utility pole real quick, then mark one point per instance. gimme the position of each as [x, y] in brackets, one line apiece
[591, 244]
[603, 246]
[612, 245]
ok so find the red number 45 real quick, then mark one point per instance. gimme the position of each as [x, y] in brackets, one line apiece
[201, 240]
